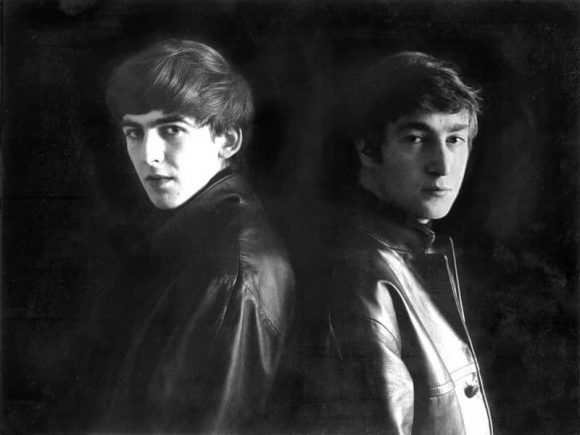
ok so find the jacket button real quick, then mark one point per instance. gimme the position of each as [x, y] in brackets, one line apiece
[471, 390]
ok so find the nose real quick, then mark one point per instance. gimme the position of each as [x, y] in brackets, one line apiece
[440, 159]
[153, 149]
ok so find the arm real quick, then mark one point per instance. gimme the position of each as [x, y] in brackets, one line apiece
[244, 361]
[220, 363]
[216, 379]
[376, 389]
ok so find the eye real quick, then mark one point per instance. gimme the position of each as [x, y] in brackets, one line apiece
[413, 139]
[172, 130]
[456, 140]
[133, 133]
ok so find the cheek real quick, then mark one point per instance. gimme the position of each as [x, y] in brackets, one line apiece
[132, 152]
[195, 151]
[461, 165]
[400, 171]
[196, 163]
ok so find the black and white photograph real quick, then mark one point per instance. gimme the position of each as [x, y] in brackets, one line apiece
[290, 217]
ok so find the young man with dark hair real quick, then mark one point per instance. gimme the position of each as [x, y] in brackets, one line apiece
[190, 341]
[404, 359]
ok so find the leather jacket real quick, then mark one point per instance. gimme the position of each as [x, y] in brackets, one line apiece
[194, 335]
[401, 354]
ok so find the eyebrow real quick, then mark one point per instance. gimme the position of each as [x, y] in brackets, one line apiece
[424, 127]
[163, 120]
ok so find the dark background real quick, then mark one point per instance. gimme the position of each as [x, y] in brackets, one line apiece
[69, 198]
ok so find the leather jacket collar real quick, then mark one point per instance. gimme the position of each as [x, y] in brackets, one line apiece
[197, 220]
[388, 224]
[226, 185]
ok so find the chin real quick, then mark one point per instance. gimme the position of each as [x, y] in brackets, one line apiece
[164, 204]
[434, 213]
[437, 215]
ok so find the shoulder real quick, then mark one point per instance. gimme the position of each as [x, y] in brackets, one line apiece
[362, 254]
[367, 278]
[240, 247]
[265, 269]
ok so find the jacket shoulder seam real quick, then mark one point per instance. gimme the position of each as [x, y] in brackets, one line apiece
[264, 315]
[378, 323]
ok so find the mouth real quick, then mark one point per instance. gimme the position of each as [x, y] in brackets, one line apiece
[157, 179]
[437, 191]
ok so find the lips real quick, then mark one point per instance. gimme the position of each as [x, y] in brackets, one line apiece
[438, 190]
[158, 179]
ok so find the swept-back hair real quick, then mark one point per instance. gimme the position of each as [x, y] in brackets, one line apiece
[186, 77]
[407, 83]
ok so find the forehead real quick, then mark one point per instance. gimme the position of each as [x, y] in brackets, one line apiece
[433, 121]
[153, 118]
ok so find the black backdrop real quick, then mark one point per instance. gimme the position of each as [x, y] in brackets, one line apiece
[69, 198]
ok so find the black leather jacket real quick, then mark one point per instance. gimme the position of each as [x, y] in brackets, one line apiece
[193, 338]
[401, 357]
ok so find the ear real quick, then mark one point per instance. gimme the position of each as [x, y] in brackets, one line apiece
[231, 143]
[366, 154]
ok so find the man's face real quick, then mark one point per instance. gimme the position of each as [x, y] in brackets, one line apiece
[424, 157]
[173, 156]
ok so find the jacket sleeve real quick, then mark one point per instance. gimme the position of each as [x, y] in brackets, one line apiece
[217, 379]
[375, 392]
[220, 361]
[244, 359]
